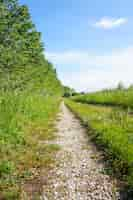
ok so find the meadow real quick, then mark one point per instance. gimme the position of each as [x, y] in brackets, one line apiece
[114, 97]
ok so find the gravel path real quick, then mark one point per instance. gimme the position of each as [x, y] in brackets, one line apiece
[78, 172]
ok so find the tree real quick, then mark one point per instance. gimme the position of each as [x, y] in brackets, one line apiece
[120, 86]
[19, 41]
[68, 91]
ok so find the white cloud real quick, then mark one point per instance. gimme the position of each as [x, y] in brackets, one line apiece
[93, 71]
[109, 23]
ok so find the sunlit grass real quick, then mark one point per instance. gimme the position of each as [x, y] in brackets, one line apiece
[26, 121]
[116, 97]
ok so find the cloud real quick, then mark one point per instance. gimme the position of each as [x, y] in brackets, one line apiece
[85, 71]
[109, 23]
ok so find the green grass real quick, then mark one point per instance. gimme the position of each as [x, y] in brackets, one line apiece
[26, 120]
[116, 97]
[112, 129]
[30, 93]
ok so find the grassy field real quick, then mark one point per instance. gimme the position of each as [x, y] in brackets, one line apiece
[117, 97]
[112, 129]
[25, 121]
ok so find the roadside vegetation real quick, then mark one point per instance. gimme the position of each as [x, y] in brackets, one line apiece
[115, 97]
[29, 98]
[112, 129]
[69, 92]
[26, 122]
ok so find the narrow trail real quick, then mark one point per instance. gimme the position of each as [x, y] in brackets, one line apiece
[78, 172]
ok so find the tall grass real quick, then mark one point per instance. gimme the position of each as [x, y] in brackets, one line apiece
[117, 97]
[25, 119]
[113, 130]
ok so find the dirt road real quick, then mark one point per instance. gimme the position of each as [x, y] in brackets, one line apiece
[78, 174]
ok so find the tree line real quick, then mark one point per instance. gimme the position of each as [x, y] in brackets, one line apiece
[22, 60]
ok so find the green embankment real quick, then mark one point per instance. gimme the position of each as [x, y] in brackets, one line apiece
[29, 98]
[117, 97]
[112, 129]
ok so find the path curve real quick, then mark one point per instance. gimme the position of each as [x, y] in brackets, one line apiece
[78, 172]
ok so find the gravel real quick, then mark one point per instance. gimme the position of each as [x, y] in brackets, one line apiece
[77, 174]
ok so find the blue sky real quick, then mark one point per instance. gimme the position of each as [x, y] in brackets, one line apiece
[89, 42]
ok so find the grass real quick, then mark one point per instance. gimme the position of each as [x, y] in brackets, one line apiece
[116, 97]
[26, 120]
[112, 129]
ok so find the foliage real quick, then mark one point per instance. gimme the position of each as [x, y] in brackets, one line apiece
[19, 41]
[29, 98]
[68, 92]
[22, 61]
